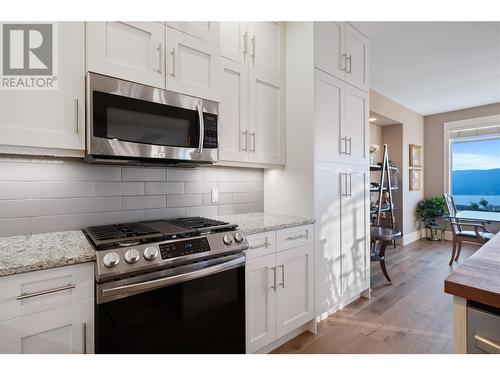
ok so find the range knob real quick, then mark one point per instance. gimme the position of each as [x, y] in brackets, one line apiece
[111, 260]
[228, 239]
[132, 256]
[150, 252]
[239, 237]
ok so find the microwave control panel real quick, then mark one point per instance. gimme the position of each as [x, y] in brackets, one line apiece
[210, 139]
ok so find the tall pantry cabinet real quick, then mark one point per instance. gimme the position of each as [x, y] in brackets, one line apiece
[327, 113]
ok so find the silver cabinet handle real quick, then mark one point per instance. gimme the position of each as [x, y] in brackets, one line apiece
[202, 128]
[265, 244]
[245, 136]
[273, 287]
[47, 291]
[486, 344]
[343, 181]
[350, 64]
[173, 62]
[77, 114]
[295, 237]
[282, 276]
[159, 57]
[343, 63]
[253, 48]
[349, 141]
[252, 135]
[350, 184]
[344, 141]
[84, 338]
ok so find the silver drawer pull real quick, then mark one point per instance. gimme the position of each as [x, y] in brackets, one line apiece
[266, 244]
[296, 237]
[486, 344]
[47, 291]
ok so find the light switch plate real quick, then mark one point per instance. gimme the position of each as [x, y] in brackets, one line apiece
[215, 195]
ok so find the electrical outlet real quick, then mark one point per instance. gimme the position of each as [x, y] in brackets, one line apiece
[215, 195]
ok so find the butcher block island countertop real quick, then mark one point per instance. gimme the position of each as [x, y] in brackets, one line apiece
[478, 278]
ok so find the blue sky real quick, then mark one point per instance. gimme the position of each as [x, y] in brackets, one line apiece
[483, 154]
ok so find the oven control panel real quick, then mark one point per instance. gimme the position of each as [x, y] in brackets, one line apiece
[187, 247]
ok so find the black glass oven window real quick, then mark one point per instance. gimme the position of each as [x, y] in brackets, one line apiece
[205, 315]
[141, 121]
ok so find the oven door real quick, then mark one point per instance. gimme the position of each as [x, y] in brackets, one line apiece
[132, 121]
[196, 308]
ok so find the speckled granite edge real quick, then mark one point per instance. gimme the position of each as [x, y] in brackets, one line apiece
[20, 254]
[258, 222]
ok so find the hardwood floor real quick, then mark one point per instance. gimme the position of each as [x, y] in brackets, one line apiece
[411, 315]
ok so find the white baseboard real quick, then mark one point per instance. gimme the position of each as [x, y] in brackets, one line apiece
[411, 237]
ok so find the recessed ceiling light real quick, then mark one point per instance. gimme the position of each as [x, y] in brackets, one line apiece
[371, 119]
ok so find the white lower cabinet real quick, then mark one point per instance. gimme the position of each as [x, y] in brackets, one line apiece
[48, 312]
[279, 288]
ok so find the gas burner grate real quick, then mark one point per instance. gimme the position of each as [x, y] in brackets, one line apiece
[106, 234]
[197, 222]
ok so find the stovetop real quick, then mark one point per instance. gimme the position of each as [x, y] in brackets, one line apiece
[120, 235]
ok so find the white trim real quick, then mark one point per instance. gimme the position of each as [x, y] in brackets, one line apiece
[411, 237]
[453, 126]
[459, 325]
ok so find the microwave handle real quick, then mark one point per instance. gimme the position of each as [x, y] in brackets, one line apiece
[202, 128]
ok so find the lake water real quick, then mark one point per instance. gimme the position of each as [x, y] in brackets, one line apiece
[466, 199]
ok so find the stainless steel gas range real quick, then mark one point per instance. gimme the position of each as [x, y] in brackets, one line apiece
[169, 286]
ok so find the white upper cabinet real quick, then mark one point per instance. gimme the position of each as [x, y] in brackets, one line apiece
[193, 65]
[233, 111]
[267, 47]
[50, 122]
[341, 121]
[234, 41]
[266, 137]
[357, 58]
[329, 47]
[342, 51]
[204, 30]
[133, 51]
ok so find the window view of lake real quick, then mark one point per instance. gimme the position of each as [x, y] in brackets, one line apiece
[475, 176]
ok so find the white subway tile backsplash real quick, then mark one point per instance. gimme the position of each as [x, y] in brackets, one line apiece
[119, 188]
[180, 174]
[165, 213]
[87, 205]
[185, 200]
[144, 201]
[42, 194]
[143, 174]
[199, 187]
[155, 188]
[207, 211]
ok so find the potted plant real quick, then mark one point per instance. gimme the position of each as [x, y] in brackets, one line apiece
[429, 210]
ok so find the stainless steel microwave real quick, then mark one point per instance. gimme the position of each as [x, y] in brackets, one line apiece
[136, 124]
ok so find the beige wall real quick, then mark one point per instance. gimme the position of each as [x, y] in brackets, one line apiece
[433, 143]
[376, 139]
[413, 132]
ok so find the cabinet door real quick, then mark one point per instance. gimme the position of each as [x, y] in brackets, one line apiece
[295, 288]
[329, 48]
[233, 112]
[357, 47]
[267, 119]
[267, 47]
[260, 302]
[234, 41]
[55, 132]
[204, 30]
[134, 51]
[63, 330]
[193, 65]
[329, 116]
[355, 260]
[328, 238]
[354, 128]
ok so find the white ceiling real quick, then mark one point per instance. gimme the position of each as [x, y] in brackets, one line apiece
[381, 120]
[434, 67]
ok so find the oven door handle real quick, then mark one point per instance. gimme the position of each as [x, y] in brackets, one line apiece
[202, 128]
[171, 280]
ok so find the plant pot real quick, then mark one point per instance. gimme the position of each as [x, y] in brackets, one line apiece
[433, 233]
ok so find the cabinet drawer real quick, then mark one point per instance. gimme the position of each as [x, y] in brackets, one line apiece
[261, 244]
[294, 237]
[32, 292]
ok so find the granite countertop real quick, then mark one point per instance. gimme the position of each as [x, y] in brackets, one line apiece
[34, 252]
[478, 278]
[257, 222]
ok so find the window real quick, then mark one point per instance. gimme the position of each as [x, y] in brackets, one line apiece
[475, 171]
